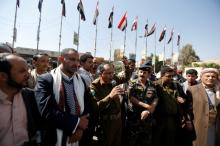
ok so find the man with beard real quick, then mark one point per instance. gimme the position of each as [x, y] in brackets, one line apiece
[41, 64]
[143, 100]
[62, 101]
[19, 118]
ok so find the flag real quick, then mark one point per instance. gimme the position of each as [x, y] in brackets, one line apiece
[178, 40]
[18, 3]
[63, 8]
[123, 23]
[40, 5]
[81, 10]
[162, 34]
[134, 25]
[96, 13]
[110, 18]
[152, 30]
[146, 29]
[171, 37]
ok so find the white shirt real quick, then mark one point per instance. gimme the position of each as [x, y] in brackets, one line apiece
[87, 76]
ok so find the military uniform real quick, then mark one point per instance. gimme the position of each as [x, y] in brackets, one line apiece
[108, 110]
[140, 131]
[168, 114]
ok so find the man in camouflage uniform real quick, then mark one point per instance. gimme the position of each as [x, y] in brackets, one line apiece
[107, 99]
[142, 102]
[172, 106]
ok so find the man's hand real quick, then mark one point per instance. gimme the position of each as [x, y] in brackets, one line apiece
[180, 100]
[116, 91]
[189, 125]
[76, 136]
[83, 123]
[144, 114]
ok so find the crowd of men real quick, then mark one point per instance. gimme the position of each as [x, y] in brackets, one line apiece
[82, 103]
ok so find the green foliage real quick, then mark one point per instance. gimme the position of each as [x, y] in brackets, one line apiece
[188, 55]
[158, 63]
[196, 65]
[210, 65]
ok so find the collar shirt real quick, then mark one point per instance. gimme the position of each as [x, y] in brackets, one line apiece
[211, 98]
[87, 76]
[13, 121]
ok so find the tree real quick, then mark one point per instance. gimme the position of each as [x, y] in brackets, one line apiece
[207, 65]
[188, 55]
[158, 63]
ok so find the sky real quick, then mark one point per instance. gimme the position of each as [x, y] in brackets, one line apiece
[197, 22]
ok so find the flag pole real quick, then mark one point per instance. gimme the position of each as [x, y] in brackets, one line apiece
[96, 31]
[164, 49]
[146, 43]
[179, 59]
[172, 53]
[78, 32]
[136, 45]
[124, 41]
[60, 36]
[146, 49]
[14, 28]
[155, 47]
[38, 31]
[110, 55]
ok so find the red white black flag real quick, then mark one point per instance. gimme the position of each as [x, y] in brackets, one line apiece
[63, 8]
[110, 18]
[18, 3]
[134, 25]
[96, 13]
[178, 40]
[152, 30]
[123, 23]
[171, 36]
[40, 5]
[162, 34]
[81, 10]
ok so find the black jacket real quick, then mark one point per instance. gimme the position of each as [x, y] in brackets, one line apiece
[53, 117]
[34, 120]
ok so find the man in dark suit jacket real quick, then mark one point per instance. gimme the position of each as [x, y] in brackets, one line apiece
[62, 100]
[20, 120]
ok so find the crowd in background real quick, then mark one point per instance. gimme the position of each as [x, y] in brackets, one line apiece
[77, 101]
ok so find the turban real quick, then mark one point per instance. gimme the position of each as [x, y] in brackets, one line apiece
[209, 70]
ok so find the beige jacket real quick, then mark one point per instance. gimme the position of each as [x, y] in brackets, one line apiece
[201, 114]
